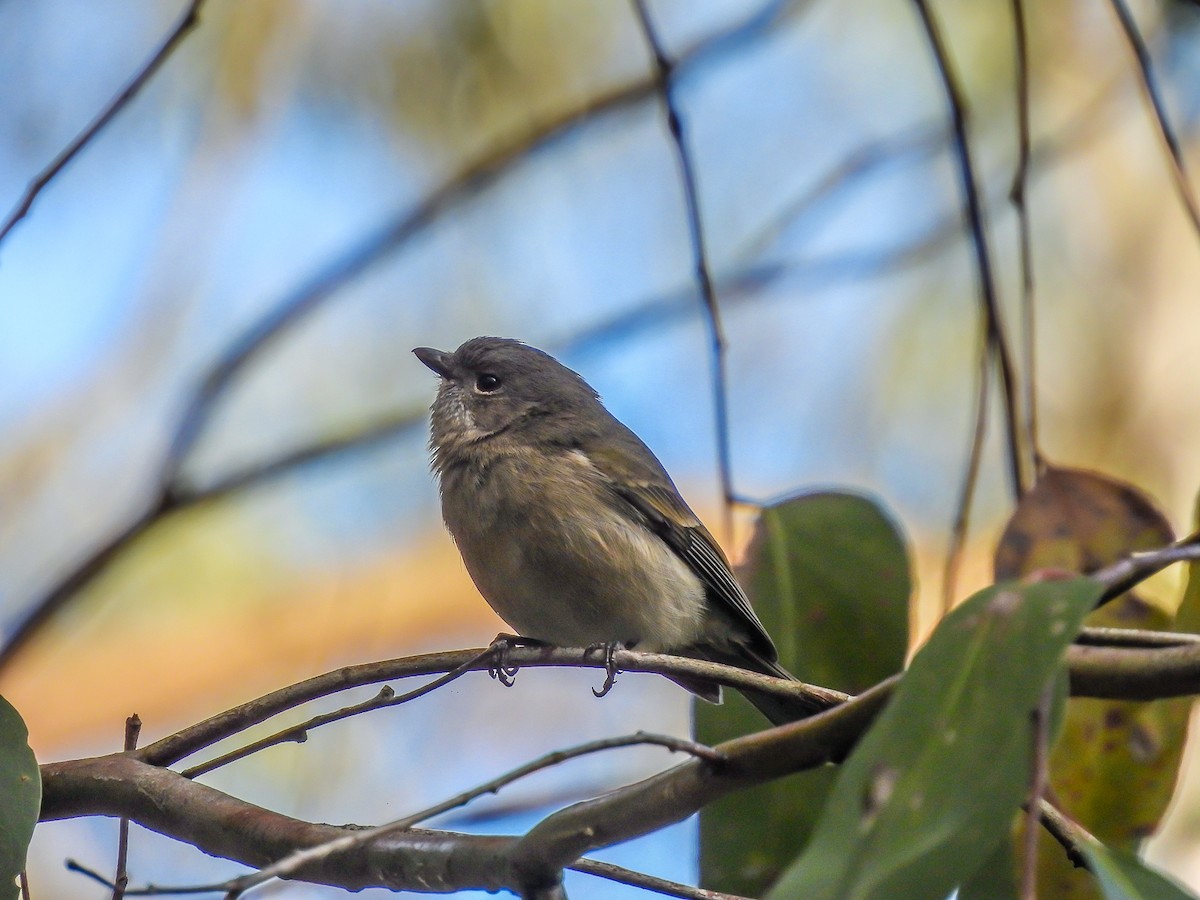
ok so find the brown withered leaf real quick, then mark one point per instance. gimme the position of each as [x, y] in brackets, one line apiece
[1078, 520]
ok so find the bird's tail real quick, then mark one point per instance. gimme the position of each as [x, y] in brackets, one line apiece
[778, 710]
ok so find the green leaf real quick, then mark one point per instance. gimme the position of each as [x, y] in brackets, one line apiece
[996, 878]
[829, 576]
[932, 788]
[1122, 876]
[20, 797]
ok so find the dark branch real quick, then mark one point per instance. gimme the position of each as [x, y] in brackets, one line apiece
[649, 882]
[187, 21]
[665, 83]
[1016, 196]
[983, 261]
[124, 785]
[294, 862]
[1149, 84]
[173, 748]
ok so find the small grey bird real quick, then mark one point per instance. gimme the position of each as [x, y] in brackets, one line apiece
[571, 528]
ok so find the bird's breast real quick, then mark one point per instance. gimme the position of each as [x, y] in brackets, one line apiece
[560, 557]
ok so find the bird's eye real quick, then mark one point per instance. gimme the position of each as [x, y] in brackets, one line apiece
[487, 383]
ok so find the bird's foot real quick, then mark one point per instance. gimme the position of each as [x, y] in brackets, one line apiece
[608, 648]
[503, 644]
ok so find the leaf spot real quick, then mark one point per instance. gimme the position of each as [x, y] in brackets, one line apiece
[879, 791]
[1004, 603]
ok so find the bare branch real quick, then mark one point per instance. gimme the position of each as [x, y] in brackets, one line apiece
[1134, 637]
[187, 21]
[65, 590]
[294, 862]
[1039, 781]
[224, 826]
[173, 748]
[665, 84]
[1016, 196]
[1149, 84]
[124, 785]
[649, 882]
[299, 733]
[1137, 567]
[1134, 673]
[1066, 831]
[983, 261]
[133, 728]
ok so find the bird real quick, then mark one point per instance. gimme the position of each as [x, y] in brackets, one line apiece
[571, 528]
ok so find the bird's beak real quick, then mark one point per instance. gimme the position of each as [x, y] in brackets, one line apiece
[438, 360]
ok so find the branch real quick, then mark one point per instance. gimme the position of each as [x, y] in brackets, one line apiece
[649, 882]
[669, 797]
[133, 728]
[1150, 86]
[220, 825]
[186, 22]
[299, 733]
[1134, 673]
[1066, 831]
[294, 862]
[1131, 571]
[983, 261]
[173, 748]
[1016, 196]
[665, 86]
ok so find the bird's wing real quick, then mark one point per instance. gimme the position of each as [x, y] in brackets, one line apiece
[677, 525]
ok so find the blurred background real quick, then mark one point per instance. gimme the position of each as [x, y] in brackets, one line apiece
[286, 139]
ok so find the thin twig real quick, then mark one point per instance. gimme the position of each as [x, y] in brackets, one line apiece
[296, 861]
[1016, 196]
[983, 261]
[1137, 567]
[966, 496]
[675, 745]
[665, 68]
[1066, 831]
[149, 890]
[23, 884]
[171, 749]
[386, 697]
[133, 728]
[187, 21]
[1039, 778]
[68, 587]
[649, 882]
[1149, 84]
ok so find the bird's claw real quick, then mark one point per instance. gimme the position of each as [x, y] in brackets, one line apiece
[609, 649]
[502, 670]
